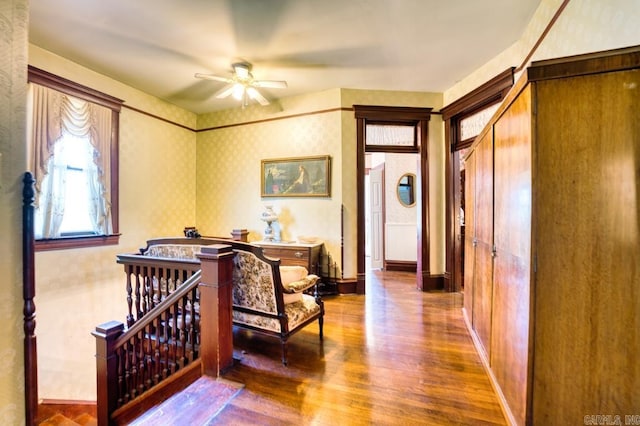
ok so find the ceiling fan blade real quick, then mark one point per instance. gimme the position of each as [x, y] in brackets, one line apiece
[274, 84]
[257, 96]
[224, 92]
[213, 77]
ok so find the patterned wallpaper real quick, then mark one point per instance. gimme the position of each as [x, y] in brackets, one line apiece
[228, 177]
[157, 198]
[592, 25]
[584, 26]
[223, 152]
[134, 98]
[13, 65]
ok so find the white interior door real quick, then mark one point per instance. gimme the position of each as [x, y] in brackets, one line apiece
[376, 197]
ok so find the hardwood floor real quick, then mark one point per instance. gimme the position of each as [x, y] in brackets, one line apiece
[61, 414]
[396, 356]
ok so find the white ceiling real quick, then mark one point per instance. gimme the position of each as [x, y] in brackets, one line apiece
[158, 45]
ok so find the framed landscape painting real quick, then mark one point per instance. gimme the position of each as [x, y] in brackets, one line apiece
[296, 177]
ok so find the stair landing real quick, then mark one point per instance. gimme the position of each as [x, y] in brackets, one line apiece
[199, 403]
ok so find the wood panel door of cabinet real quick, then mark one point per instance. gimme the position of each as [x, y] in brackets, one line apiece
[483, 270]
[510, 339]
[587, 207]
[470, 233]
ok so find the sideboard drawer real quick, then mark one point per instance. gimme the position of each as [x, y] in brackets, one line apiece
[306, 255]
[289, 256]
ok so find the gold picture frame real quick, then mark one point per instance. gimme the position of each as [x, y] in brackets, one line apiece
[296, 177]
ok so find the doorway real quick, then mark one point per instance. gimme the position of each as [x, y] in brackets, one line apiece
[412, 123]
[391, 211]
[375, 212]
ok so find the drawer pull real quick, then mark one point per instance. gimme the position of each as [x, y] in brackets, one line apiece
[299, 254]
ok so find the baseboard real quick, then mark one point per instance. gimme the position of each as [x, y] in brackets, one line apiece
[431, 282]
[46, 401]
[484, 359]
[401, 265]
[347, 286]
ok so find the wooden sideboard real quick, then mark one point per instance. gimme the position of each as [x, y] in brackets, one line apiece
[294, 254]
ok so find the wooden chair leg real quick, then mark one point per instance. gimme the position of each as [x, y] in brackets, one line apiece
[284, 352]
[320, 326]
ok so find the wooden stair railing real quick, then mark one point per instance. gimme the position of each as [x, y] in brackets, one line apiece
[150, 280]
[162, 343]
[177, 334]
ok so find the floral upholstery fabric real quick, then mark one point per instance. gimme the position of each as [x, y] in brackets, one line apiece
[253, 283]
[301, 311]
[253, 288]
[301, 285]
[297, 313]
[259, 321]
[174, 251]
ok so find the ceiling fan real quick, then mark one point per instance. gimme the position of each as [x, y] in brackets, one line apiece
[242, 85]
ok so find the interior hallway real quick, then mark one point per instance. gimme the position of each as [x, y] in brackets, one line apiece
[396, 356]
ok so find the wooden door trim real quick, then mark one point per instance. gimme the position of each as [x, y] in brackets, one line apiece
[400, 115]
[490, 93]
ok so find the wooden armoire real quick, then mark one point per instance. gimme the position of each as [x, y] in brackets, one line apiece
[552, 245]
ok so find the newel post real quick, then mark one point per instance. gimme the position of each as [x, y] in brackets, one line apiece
[240, 235]
[106, 367]
[216, 321]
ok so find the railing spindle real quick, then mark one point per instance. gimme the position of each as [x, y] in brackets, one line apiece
[134, 366]
[139, 312]
[156, 352]
[130, 320]
[165, 346]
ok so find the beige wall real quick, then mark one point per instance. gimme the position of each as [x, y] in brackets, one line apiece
[584, 26]
[400, 221]
[228, 167]
[157, 198]
[13, 65]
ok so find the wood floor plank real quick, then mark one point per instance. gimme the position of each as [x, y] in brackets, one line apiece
[395, 356]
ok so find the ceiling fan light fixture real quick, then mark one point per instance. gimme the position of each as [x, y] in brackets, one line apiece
[242, 71]
[242, 86]
[255, 95]
[238, 91]
[252, 92]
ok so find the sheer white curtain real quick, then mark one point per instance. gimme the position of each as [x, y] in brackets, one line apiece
[54, 115]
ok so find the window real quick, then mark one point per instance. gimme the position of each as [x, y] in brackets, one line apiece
[70, 173]
[73, 155]
[391, 135]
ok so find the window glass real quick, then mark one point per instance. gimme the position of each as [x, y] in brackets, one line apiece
[79, 165]
[390, 135]
[471, 126]
[73, 154]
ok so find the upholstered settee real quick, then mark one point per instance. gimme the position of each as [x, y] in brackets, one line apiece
[267, 297]
[263, 301]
